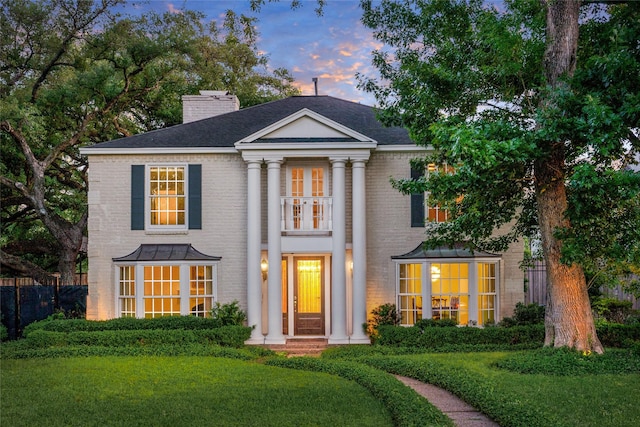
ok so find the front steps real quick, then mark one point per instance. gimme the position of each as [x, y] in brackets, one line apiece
[296, 347]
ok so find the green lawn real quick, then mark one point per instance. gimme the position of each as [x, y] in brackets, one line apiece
[598, 400]
[178, 391]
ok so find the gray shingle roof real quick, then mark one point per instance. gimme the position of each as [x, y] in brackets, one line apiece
[225, 130]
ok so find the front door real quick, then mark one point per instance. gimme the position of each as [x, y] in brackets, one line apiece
[308, 296]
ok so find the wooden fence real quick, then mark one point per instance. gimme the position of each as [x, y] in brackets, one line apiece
[536, 288]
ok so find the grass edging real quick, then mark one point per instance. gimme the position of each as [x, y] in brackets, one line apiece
[506, 410]
[406, 407]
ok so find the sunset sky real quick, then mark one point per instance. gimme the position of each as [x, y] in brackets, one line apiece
[333, 47]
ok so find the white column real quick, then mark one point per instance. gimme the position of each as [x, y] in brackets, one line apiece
[359, 240]
[338, 263]
[254, 274]
[274, 281]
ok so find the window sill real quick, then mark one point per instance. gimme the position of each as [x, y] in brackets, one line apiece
[166, 232]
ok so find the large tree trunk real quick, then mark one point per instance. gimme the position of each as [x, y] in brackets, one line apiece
[569, 320]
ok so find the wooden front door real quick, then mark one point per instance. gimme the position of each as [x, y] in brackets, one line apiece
[308, 296]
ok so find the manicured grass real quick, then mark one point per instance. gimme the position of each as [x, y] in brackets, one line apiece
[178, 391]
[516, 399]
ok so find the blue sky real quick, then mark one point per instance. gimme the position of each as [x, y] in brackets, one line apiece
[333, 47]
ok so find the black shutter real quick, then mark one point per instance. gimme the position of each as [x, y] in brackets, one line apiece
[417, 202]
[195, 197]
[137, 197]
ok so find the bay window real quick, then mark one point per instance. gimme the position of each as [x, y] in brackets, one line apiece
[452, 283]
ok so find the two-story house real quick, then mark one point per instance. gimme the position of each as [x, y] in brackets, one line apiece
[286, 207]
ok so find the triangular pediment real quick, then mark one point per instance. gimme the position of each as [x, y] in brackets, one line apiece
[305, 125]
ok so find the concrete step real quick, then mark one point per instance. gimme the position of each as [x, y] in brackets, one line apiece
[301, 347]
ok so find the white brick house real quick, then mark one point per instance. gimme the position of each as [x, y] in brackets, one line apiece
[286, 207]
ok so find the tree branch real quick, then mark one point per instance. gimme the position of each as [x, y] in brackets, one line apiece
[24, 267]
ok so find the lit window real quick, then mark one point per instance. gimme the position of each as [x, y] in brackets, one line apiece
[410, 293]
[201, 290]
[436, 213]
[166, 290]
[450, 291]
[127, 293]
[161, 290]
[167, 195]
[466, 292]
[486, 293]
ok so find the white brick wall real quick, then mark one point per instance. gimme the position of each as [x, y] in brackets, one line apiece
[207, 104]
[224, 217]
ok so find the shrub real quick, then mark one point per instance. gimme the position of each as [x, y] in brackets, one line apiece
[4, 332]
[226, 336]
[617, 335]
[431, 323]
[611, 309]
[55, 324]
[385, 314]
[525, 314]
[228, 314]
[566, 362]
[434, 338]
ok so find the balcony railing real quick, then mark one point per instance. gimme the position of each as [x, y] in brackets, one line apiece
[307, 214]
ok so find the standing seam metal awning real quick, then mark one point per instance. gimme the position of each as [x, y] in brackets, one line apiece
[166, 252]
[456, 251]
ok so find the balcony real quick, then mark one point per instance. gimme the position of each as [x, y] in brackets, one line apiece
[306, 215]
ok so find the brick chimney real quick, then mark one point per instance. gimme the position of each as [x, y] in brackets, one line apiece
[208, 104]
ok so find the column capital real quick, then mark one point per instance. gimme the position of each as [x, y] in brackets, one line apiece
[336, 161]
[274, 162]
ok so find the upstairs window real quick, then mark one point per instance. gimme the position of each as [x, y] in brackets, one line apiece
[167, 195]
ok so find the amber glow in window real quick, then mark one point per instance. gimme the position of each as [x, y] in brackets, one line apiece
[161, 290]
[450, 291]
[127, 291]
[200, 289]
[486, 293]
[167, 194]
[436, 213]
[410, 293]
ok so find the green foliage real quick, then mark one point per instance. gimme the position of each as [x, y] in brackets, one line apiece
[229, 336]
[75, 73]
[611, 309]
[385, 314]
[4, 332]
[228, 314]
[436, 323]
[525, 314]
[502, 406]
[55, 323]
[406, 408]
[463, 339]
[567, 362]
[179, 391]
[433, 338]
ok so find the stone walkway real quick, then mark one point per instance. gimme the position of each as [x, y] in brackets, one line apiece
[462, 414]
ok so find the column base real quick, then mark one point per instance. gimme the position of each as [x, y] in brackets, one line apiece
[336, 341]
[255, 341]
[275, 340]
[359, 340]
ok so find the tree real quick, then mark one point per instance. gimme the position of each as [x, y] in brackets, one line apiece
[539, 120]
[72, 73]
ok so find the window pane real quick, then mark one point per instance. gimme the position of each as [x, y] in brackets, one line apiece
[201, 290]
[167, 195]
[410, 293]
[449, 291]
